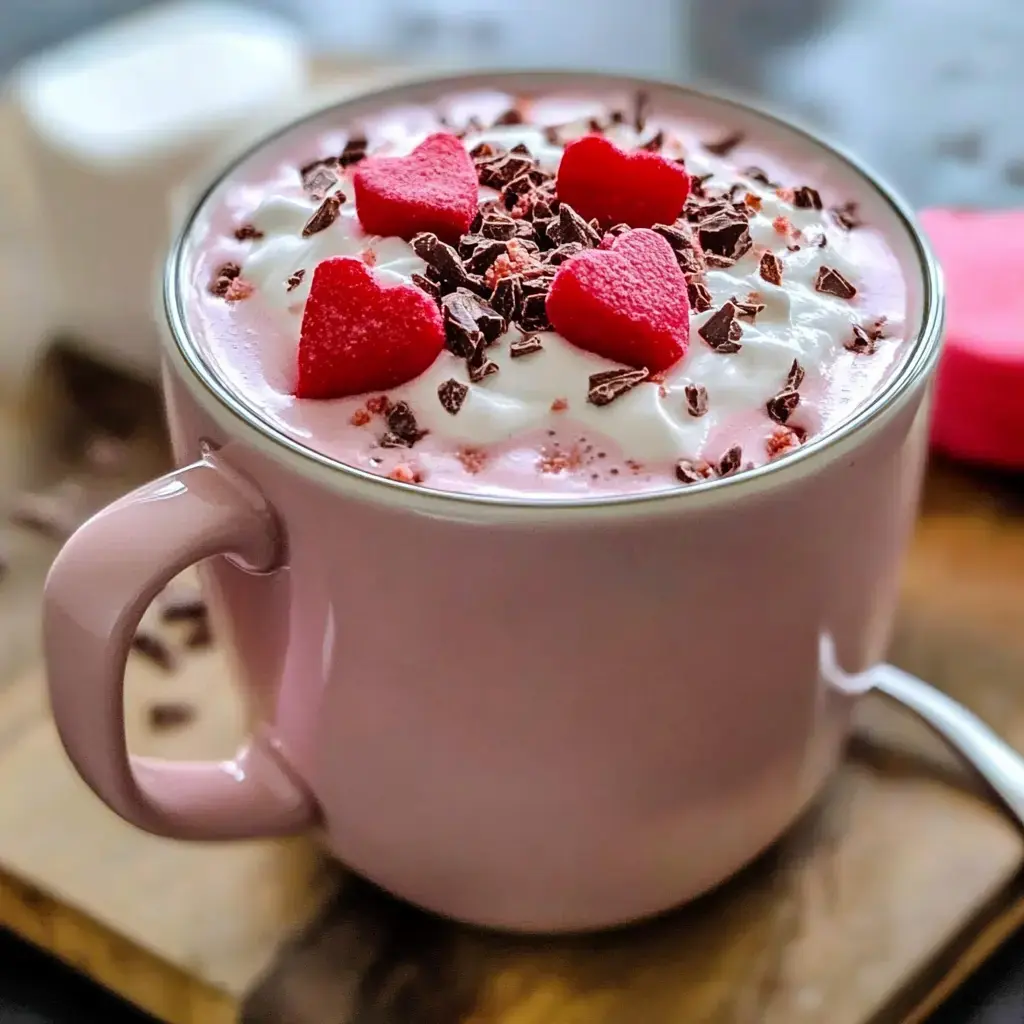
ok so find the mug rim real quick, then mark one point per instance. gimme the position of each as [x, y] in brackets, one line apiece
[205, 384]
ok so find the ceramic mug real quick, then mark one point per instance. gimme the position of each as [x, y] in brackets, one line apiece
[530, 715]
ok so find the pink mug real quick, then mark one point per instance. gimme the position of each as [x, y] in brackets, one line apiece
[534, 716]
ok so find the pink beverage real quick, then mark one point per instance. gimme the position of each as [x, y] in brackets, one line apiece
[795, 305]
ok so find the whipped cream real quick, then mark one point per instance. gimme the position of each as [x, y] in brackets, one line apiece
[534, 402]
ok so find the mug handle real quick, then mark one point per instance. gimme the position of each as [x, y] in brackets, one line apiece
[96, 592]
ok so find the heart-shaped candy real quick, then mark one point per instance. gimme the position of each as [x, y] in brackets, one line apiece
[597, 179]
[433, 189]
[627, 303]
[359, 335]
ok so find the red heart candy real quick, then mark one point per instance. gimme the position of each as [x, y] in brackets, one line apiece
[627, 303]
[597, 179]
[358, 335]
[434, 188]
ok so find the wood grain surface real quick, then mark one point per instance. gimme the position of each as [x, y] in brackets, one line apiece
[891, 887]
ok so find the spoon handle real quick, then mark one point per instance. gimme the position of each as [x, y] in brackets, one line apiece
[994, 759]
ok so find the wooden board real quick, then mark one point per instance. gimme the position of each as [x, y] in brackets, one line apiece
[896, 884]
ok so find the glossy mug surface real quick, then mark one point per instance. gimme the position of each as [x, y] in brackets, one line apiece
[530, 715]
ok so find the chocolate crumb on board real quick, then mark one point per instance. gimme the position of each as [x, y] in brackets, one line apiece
[699, 296]
[324, 215]
[721, 331]
[246, 232]
[770, 268]
[525, 345]
[830, 282]
[780, 407]
[795, 377]
[725, 145]
[847, 215]
[294, 279]
[451, 394]
[170, 715]
[696, 399]
[153, 649]
[222, 278]
[730, 462]
[862, 342]
[199, 636]
[692, 472]
[806, 198]
[608, 385]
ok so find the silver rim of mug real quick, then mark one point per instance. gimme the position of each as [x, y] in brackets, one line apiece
[231, 411]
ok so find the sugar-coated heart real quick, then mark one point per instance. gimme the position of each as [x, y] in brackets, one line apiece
[597, 179]
[434, 188]
[628, 303]
[359, 335]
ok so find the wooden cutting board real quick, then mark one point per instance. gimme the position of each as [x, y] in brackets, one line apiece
[897, 883]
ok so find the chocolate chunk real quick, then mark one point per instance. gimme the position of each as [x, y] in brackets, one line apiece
[747, 309]
[553, 134]
[771, 268]
[534, 316]
[641, 107]
[509, 117]
[401, 421]
[294, 279]
[724, 236]
[479, 366]
[730, 461]
[484, 255]
[246, 232]
[830, 282]
[452, 393]
[428, 286]
[688, 472]
[862, 342]
[522, 149]
[699, 296]
[781, 406]
[755, 173]
[474, 313]
[222, 278]
[498, 173]
[696, 399]
[571, 227]
[444, 261]
[199, 636]
[680, 237]
[795, 377]
[319, 176]
[654, 143]
[354, 151]
[595, 127]
[498, 226]
[486, 151]
[170, 715]
[721, 331]
[153, 649]
[806, 198]
[507, 297]
[525, 345]
[531, 180]
[539, 284]
[462, 335]
[697, 183]
[389, 439]
[540, 209]
[608, 385]
[556, 257]
[616, 116]
[324, 216]
[618, 229]
[847, 215]
[725, 145]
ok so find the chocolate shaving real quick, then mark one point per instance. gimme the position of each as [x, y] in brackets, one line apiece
[725, 237]
[688, 472]
[830, 282]
[806, 198]
[571, 227]
[498, 226]
[452, 393]
[153, 649]
[781, 406]
[402, 424]
[730, 461]
[862, 342]
[507, 297]
[525, 346]
[170, 715]
[608, 385]
[294, 279]
[354, 151]
[680, 237]
[484, 255]
[795, 377]
[696, 399]
[655, 143]
[755, 173]
[324, 216]
[721, 331]
[770, 268]
[222, 278]
[641, 107]
[847, 215]
[699, 296]
[428, 286]
[245, 232]
[725, 145]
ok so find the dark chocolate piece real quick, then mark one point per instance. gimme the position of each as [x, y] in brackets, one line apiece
[525, 345]
[721, 331]
[445, 262]
[699, 296]
[847, 215]
[862, 342]
[641, 107]
[655, 143]
[428, 286]
[696, 399]
[806, 198]
[509, 117]
[486, 252]
[354, 151]
[498, 226]
[402, 423]
[500, 172]
[452, 393]
[608, 385]
[294, 279]
[222, 278]
[730, 461]
[473, 314]
[755, 173]
[725, 145]
[324, 215]
[680, 237]
[795, 377]
[571, 227]
[246, 232]
[830, 282]
[781, 406]
[725, 237]
[688, 472]
[507, 297]
[771, 268]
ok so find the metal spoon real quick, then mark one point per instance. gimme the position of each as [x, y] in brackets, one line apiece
[994, 759]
